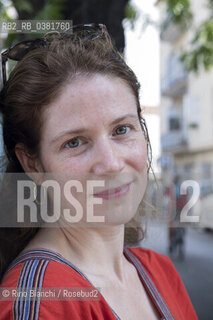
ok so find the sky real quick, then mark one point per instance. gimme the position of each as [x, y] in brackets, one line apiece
[142, 52]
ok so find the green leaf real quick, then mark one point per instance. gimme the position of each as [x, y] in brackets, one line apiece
[52, 10]
[200, 53]
[24, 5]
[130, 13]
[179, 12]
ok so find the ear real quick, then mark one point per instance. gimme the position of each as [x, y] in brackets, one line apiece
[30, 164]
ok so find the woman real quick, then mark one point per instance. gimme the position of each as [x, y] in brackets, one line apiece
[71, 113]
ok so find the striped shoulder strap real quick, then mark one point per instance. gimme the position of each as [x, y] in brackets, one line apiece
[31, 276]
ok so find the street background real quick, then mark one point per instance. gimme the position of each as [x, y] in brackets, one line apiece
[195, 270]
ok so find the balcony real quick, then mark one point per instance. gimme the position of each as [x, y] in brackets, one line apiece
[175, 81]
[173, 141]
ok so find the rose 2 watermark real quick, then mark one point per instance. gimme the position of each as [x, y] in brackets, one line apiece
[75, 200]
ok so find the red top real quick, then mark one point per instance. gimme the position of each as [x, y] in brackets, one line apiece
[42, 268]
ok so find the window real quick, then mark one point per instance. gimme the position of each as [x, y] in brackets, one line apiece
[174, 124]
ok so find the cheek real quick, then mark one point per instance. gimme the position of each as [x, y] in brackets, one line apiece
[138, 155]
[65, 165]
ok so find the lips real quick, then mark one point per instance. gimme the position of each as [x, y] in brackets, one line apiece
[114, 193]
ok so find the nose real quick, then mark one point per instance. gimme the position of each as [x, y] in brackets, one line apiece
[108, 157]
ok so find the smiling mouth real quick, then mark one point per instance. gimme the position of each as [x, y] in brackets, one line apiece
[114, 193]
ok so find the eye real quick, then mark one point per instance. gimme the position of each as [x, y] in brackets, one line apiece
[122, 130]
[74, 143]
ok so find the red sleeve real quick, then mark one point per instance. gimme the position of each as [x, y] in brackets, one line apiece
[57, 275]
[61, 276]
[168, 282]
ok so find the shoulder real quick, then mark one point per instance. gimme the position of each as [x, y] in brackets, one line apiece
[159, 267]
[167, 280]
[148, 254]
[34, 268]
[152, 260]
[39, 274]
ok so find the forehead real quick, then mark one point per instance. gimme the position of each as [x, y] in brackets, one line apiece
[94, 100]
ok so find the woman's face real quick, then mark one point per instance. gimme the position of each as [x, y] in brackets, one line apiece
[92, 132]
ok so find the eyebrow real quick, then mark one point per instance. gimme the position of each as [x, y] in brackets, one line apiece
[83, 130]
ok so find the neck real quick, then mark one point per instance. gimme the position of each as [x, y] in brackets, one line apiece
[95, 251]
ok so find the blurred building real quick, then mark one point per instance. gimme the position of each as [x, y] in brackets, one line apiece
[186, 112]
